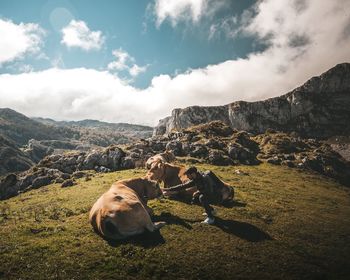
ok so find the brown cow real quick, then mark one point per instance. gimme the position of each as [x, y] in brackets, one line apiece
[122, 211]
[167, 156]
[171, 175]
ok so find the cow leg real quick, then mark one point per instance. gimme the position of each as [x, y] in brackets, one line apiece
[148, 209]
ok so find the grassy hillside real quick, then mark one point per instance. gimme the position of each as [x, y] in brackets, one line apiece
[285, 224]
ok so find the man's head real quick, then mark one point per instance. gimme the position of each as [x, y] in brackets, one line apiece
[191, 173]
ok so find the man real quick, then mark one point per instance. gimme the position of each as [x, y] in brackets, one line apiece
[210, 190]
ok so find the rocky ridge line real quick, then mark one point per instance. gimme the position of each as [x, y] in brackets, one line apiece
[319, 109]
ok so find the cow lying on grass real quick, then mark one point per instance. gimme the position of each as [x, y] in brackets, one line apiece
[171, 175]
[122, 211]
[167, 156]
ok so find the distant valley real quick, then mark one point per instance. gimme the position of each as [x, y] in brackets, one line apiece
[25, 141]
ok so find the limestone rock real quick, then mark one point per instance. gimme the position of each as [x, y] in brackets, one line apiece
[319, 108]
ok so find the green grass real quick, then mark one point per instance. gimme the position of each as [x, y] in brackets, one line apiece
[285, 224]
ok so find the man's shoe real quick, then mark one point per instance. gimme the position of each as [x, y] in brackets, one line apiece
[213, 212]
[208, 221]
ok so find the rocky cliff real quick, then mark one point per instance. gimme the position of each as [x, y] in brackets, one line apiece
[319, 108]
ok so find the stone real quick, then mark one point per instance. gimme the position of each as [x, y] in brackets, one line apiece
[127, 163]
[214, 144]
[41, 181]
[198, 151]
[289, 163]
[78, 174]
[218, 157]
[68, 183]
[102, 169]
[91, 160]
[238, 152]
[175, 147]
[274, 160]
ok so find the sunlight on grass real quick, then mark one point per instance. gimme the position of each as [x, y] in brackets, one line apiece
[284, 224]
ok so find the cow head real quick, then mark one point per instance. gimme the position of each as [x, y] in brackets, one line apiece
[152, 189]
[157, 171]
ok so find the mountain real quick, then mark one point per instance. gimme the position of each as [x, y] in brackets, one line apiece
[319, 108]
[25, 141]
[20, 129]
[130, 130]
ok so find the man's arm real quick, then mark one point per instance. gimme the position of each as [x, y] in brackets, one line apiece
[180, 187]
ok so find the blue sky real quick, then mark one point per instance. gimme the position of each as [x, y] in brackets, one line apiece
[129, 25]
[135, 61]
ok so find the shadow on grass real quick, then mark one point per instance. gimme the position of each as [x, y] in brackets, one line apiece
[145, 240]
[242, 230]
[226, 204]
[151, 239]
[233, 203]
[171, 219]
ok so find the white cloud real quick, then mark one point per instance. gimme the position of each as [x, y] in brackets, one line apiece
[78, 94]
[184, 10]
[136, 70]
[18, 40]
[178, 10]
[303, 41]
[77, 34]
[123, 61]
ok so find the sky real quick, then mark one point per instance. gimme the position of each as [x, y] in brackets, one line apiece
[135, 61]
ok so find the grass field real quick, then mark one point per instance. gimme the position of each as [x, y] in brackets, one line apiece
[284, 224]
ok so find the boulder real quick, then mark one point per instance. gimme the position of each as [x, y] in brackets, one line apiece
[175, 147]
[115, 155]
[274, 160]
[68, 183]
[241, 154]
[41, 181]
[214, 144]
[198, 151]
[102, 169]
[92, 159]
[218, 157]
[127, 163]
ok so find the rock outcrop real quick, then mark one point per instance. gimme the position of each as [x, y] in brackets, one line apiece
[215, 143]
[319, 108]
